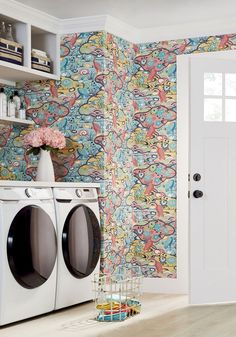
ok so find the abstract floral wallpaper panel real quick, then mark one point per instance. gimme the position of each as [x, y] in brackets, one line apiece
[74, 105]
[116, 104]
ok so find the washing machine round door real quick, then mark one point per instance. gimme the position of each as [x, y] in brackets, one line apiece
[31, 246]
[81, 241]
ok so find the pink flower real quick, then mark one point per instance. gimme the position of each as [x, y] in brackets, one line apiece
[45, 137]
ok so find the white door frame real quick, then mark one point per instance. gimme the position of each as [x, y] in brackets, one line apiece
[183, 104]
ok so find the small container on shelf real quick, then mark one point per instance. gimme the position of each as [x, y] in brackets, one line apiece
[16, 100]
[40, 60]
[22, 112]
[3, 104]
[2, 30]
[9, 33]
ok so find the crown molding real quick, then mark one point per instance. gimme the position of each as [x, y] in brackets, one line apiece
[122, 29]
[99, 23]
[187, 30]
[115, 26]
[30, 15]
[146, 35]
[82, 24]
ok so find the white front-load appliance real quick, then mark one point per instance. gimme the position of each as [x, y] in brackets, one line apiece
[79, 244]
[28, 249]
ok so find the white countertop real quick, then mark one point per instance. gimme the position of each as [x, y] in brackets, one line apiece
[19, 183]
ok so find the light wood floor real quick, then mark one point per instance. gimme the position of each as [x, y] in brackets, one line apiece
[161, 316]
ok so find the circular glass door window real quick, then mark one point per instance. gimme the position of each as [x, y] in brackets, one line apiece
[81, 241]
[31, 246]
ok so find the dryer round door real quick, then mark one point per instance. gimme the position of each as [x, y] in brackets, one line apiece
[31, 246]
[81, 241]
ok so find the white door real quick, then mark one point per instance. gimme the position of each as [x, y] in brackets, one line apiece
[213, 192]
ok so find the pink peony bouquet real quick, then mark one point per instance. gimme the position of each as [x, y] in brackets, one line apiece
[45, 138]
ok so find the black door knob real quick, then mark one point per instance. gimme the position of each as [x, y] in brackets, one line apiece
[197, 194]
[197, 177]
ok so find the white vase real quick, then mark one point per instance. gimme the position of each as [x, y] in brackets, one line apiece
[45, 170]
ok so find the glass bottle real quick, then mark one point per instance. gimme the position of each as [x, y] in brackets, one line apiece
[9, 35]
[2, 30]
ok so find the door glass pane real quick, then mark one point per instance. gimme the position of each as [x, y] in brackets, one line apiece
[213, 84]
[31, 246]
[212, 109]
[230, 84]
[230, 110]
[81, 241]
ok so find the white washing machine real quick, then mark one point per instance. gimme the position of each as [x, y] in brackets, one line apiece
[79, 244]
[28, 249]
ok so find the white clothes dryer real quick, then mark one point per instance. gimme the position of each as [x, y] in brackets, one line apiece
[79, 244]
[28, 249]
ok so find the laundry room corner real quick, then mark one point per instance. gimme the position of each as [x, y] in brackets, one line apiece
[133, 105]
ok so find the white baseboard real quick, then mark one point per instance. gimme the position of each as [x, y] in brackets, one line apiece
[164, 286]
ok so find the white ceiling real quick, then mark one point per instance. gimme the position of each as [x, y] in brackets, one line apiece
[140, 13]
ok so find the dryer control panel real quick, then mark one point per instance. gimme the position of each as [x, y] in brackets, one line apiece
[86, 193]
[75, 193]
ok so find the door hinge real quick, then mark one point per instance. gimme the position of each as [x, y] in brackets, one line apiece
[188, 194]
[189, 177]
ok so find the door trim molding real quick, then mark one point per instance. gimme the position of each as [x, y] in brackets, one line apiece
[183, 125]
[182, 169]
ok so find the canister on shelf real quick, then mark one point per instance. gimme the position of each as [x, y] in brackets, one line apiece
[22, 114]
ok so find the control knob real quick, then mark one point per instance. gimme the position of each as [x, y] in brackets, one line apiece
[28, 192]
[78, 193]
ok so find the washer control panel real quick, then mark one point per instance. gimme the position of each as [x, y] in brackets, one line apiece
[23, 193]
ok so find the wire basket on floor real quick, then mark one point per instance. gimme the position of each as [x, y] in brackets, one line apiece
[117, 295]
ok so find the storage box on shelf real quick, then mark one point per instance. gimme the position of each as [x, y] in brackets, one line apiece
[40, 61]
[45, 48]
[28, 37]
[11, 51]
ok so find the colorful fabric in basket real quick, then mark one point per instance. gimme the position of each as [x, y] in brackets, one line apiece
[108, 306]
[118, 311]
[112, 317]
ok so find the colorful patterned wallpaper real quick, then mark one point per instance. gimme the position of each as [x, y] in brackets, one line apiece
[116, 104]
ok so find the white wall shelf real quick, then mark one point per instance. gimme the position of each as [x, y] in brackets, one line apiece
[12, 120]
[11, 73]
[30, 37]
